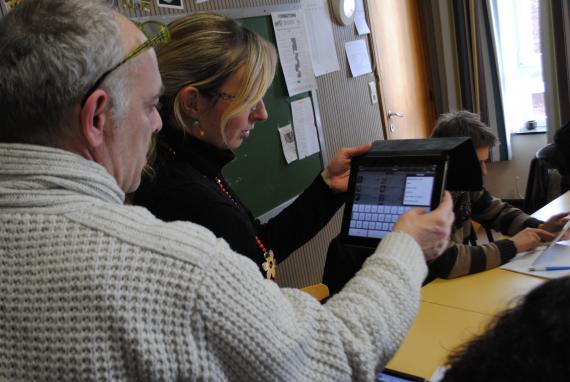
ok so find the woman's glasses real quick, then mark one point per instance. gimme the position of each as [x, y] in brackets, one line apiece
[156, 32]
[217, 95]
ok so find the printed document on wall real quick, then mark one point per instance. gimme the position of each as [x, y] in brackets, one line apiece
[288, 143]
[321, 39]
[358, 58]
[293, 48]
[176, 4]
[360, 19]
[305, 129]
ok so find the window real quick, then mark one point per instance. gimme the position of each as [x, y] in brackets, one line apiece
[517, 32]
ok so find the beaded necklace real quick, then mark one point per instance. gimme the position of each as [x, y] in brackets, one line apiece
[270, 265]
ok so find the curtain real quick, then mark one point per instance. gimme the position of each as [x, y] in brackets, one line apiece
[478, 68]
[463, 62]
[555, 28]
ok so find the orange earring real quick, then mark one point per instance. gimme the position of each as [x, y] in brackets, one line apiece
[196, 127]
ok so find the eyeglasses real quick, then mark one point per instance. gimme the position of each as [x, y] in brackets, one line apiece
[223, 96]
[216, 95]
[156, 33]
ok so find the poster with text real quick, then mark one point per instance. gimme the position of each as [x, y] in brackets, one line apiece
[294, 54]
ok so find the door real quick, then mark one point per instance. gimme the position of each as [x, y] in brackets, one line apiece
[401, 68]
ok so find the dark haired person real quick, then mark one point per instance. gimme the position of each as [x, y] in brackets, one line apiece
[562, 144]
[461, 258]
[528, 343]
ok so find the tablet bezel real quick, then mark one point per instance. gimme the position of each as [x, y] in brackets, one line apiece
[399, 374]
[440, 161]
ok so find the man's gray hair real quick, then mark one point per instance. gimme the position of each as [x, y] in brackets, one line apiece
[51, 53]
[463, 123]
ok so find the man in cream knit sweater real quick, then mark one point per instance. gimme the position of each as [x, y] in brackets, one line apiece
[91, 289]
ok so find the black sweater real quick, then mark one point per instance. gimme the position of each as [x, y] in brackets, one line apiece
[184, 188]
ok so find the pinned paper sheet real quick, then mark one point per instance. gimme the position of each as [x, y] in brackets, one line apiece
[294, 54]
[305, 129]
[288, 143]
[176, 4]
[321, 39]
[358, 58]
[360, 19]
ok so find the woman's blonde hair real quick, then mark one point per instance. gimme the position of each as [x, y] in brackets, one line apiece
[204, 51]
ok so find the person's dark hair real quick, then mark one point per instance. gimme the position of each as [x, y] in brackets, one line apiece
[46, 67]
[463, 123]
[530, 342]
[562, 137]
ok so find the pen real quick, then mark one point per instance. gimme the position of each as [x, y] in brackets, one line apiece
[537, 269]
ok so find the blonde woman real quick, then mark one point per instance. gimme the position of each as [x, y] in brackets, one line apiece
[215, 74]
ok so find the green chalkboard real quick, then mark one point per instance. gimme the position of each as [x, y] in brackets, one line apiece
[259, 174]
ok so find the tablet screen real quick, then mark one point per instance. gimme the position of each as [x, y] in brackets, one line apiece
[381, 192]
[391, 378]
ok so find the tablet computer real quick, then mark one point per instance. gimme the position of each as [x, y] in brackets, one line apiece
[381, 188]
[388, 375]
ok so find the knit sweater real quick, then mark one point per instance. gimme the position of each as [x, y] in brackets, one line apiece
[91, 289]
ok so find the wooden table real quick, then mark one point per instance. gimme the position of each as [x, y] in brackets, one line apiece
[436, 331]
[453, 311]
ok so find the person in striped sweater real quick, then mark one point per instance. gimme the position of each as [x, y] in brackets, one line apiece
[526, 232]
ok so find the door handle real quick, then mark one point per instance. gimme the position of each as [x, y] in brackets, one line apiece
[394, 114]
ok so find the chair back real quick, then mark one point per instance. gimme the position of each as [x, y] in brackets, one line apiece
[545, 178]
[318, 291]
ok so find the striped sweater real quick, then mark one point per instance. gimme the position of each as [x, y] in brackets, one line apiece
[461, 258]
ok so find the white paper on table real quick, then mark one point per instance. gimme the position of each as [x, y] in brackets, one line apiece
[358, 58]
[560, 256]
[305, 129]
[293, 48]
[360, 19]
[438, 374]
[321, 39]
[288, 143]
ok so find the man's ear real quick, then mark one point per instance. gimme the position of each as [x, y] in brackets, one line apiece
[190, 102]
[94, 118]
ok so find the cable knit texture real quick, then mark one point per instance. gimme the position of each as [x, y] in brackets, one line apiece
[91, 289]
